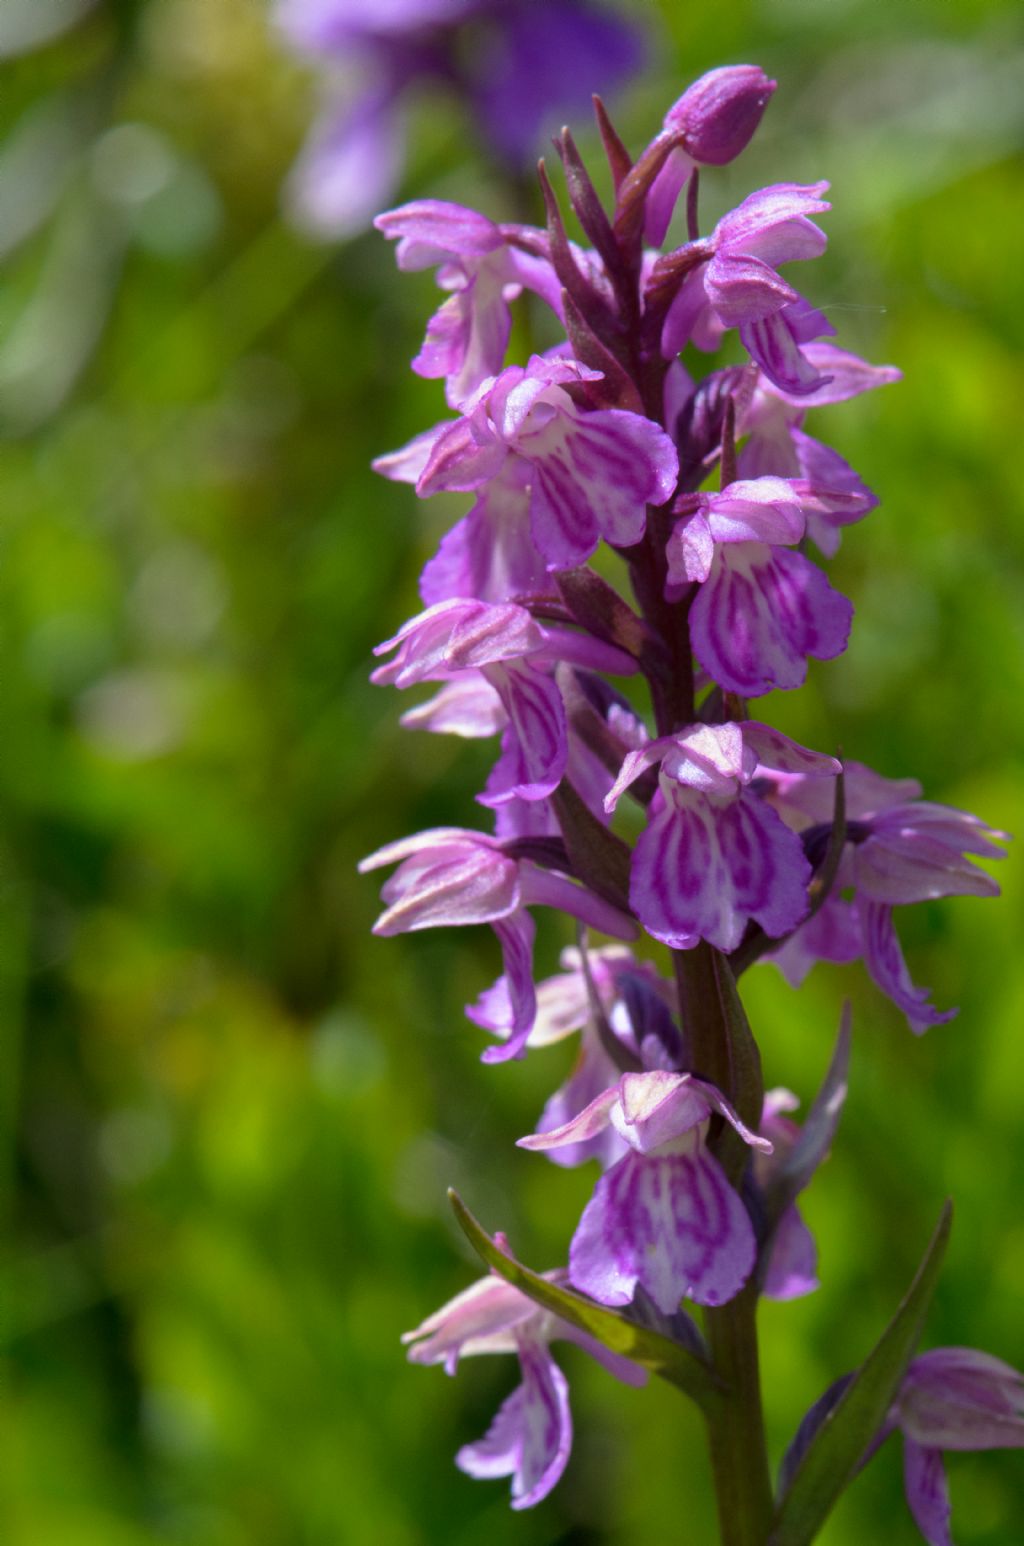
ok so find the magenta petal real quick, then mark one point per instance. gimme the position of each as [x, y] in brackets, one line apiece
[883, 958]
[677, 879]
[531, 1436]
[516, 934]
[793, 1259]
[671, 1223]
[534, 746]
[927, 1493]
[761, 613]
[595, 475]
[766, 864]
[769, 340]
[490, 553]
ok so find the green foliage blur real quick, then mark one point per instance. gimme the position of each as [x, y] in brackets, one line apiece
[227, 1114]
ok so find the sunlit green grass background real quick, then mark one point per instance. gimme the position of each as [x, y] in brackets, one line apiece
[229, 1115]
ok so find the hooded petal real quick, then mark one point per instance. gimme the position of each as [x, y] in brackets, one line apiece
[959, 1398]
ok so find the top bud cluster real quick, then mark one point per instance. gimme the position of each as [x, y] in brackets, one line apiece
[750, 842]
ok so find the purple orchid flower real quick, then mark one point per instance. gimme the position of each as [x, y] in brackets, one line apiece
[717, 117]
[531, 1436]
[591, 473]
[738, 286]
[664, 1217]
[490, 554]
[714, 855]
[761, 610]
[514, 656]
[899, 850]
[512, 62]
[831, 493]
[449, 877]
[637, 1004]
[467, 338]
[952, 1398]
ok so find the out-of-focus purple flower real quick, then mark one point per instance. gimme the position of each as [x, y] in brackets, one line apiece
[738, 285]
[592, 473]
[717, 117]
[899, 850]
[664, 1217]
[513, 64]
[952, 1398]
[531, 1436]
[714, 855]
[449, 877]
[466, 339]
[832, 494]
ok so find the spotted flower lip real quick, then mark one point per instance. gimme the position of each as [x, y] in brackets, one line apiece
[513, 654]
[714, 855]
[663, 1217]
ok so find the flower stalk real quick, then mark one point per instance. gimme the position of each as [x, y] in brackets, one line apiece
[712, 495]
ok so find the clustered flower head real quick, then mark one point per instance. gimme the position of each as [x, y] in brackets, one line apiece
[719, 507]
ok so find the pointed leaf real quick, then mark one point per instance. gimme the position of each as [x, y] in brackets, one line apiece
[746, 1081]
[647, 1347]
[835, 1453]
[598, 856]
[620, 161]
[819, 1128]
[590, 213]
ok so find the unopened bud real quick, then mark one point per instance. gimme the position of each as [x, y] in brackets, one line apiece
[720, 112]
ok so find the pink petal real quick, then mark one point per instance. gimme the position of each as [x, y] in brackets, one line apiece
[761, 613]
[883, 958]
[531, 1436]
[671, 1223]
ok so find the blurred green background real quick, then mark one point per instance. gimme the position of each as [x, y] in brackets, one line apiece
[228, 1114]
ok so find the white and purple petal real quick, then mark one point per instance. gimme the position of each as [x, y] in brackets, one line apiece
[670, 1223]
[531, 1436]
[760, 614]
[884, 960]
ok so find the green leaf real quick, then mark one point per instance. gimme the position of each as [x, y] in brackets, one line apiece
[835, 1453]
[660, 1354]
[746, 1081]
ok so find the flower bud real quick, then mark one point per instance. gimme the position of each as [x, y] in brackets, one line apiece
[720, 112]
